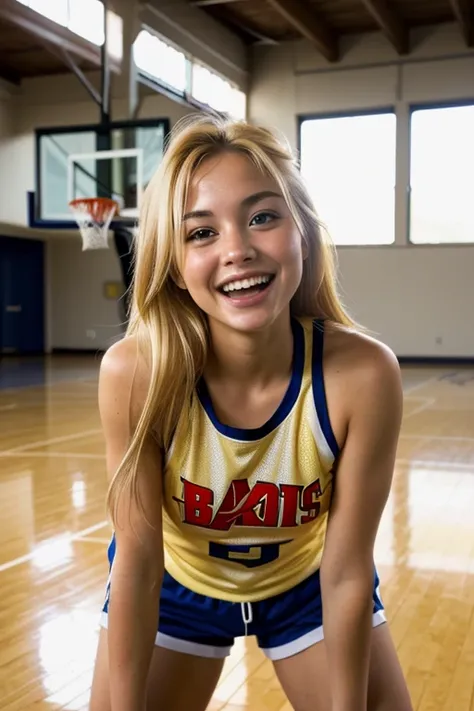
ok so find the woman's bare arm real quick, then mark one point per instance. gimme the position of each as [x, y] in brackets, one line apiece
[138, 564]
[363, 479]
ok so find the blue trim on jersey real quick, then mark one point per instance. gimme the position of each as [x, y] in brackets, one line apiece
[319, 392]
[284, 408]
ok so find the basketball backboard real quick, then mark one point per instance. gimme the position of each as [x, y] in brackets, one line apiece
[92, 161]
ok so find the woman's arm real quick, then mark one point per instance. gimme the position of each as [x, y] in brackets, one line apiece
[138, 564]
[362, 485]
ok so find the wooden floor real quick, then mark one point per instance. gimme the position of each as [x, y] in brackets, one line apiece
[53, 535]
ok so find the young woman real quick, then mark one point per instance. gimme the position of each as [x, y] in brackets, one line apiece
[251, 431]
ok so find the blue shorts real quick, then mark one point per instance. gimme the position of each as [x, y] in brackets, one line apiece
[284, 625]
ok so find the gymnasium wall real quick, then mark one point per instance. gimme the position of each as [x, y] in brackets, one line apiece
[6, 129]
[411, 296]
[78, 314]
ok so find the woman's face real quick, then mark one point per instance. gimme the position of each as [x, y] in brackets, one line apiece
[243, 255]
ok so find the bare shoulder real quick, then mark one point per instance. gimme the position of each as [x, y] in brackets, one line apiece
[361, 375]
[359, 358]
[124, 378]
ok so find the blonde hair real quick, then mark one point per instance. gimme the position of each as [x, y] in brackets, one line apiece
[170, 328]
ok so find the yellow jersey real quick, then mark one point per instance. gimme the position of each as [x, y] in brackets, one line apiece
[245, 510]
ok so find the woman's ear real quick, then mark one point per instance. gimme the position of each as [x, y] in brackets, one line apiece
[178, 279]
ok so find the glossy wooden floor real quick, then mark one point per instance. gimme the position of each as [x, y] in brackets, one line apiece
[53, 535]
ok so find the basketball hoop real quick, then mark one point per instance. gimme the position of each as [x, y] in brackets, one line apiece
[93, 216]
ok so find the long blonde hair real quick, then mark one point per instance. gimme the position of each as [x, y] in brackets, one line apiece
[170, 328]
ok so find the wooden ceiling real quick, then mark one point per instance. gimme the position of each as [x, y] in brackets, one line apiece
[323, 22]
[31, 45]
[23, 55]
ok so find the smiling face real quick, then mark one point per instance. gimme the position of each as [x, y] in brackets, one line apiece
[243, 254]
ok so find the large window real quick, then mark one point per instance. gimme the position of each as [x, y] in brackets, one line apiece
[153, 56]
[210, 89]
[349, 165]
[161, 61]
[83, 17]
[442, 175]
[168, 65]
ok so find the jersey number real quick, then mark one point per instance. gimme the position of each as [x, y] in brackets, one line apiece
[249, 556]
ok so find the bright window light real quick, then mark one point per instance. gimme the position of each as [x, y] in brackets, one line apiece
[214, 91]
[160, 60]
[56, 10]
[442, 175]
[349, 165]
[85, 18]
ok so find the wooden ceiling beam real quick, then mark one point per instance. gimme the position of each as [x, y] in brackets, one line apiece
[206, 3]
[310, 25]
[464, 13]
[390, 23]
[45, 30]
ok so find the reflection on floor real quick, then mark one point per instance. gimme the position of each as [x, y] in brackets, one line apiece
[53, 536]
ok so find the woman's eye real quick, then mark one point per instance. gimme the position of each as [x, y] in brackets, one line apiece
[201, 234]
[263, 218]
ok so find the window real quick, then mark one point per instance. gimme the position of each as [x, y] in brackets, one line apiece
[56, 10]
[86, 19]
[153, 56]
[160, 60]
[83, 17]
[442, 175]
[349, 165]
[168, 65]
[214, 91]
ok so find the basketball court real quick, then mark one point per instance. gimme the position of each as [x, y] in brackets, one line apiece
[83, 130]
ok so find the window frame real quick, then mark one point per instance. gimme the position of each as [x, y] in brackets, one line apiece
[353, 113]
[413, 108]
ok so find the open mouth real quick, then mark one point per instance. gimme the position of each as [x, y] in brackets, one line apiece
[247, 287]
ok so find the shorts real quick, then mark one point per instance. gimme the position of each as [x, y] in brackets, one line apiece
[204, 626]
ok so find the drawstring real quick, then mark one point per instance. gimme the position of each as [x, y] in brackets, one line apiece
[247, 614]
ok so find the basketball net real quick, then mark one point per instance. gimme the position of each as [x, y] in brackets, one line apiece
[93, 216]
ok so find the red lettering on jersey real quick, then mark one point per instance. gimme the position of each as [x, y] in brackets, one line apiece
[198, 503]
[262, 506]
[243, 506]
[310, 502]
[230, 510]
[291, 499]
[258, 506]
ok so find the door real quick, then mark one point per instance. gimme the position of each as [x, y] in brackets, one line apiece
[21, 296]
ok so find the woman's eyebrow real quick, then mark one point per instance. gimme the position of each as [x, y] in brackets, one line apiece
[246, 202]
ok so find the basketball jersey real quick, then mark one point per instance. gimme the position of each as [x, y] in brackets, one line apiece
[245, 510]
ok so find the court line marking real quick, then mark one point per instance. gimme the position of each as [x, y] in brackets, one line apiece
[444, 438]
[424, 406]
[32, 386]
[73, 537]
[417, 386]
[58, 455]
[93, 539]
[416, 398]
[436, 464]
[53, 440]
[10, 406]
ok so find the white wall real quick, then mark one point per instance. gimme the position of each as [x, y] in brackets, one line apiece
[80, 316]
[7, 121]
[410, 296]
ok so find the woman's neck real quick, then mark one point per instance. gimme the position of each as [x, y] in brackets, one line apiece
[251, 358]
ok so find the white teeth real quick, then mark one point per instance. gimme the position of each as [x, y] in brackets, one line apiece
[245, 283]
